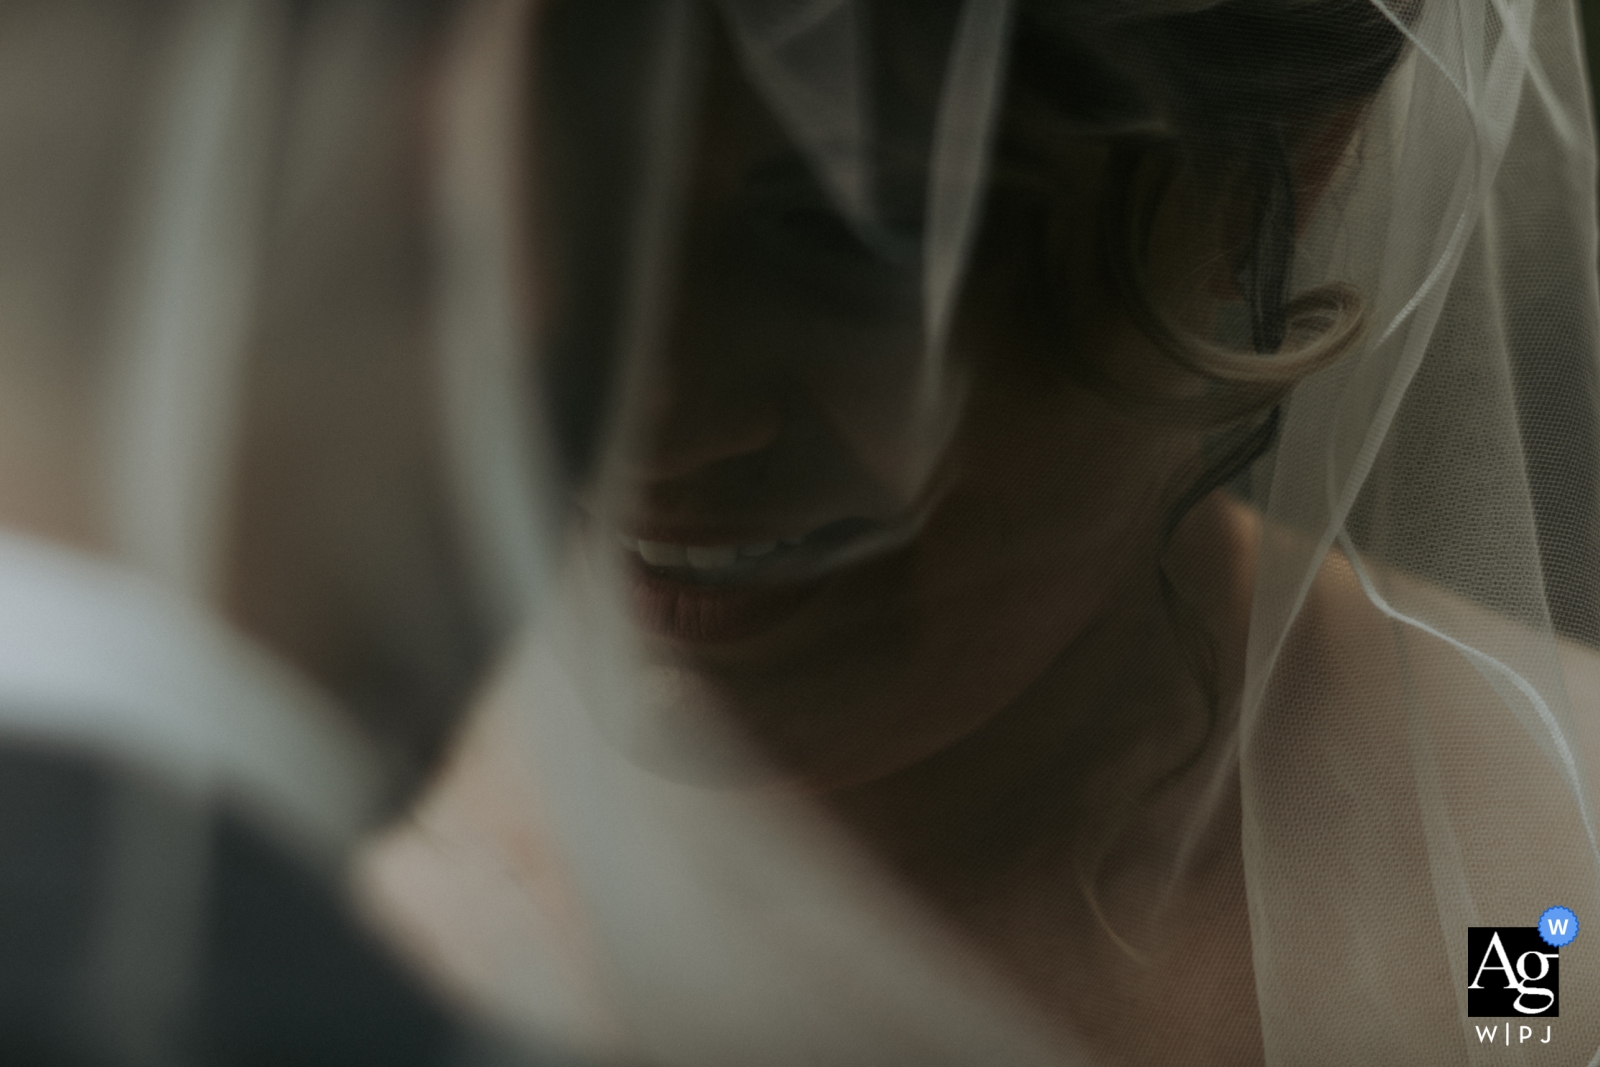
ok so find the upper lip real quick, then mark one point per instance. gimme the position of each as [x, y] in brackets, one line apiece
[706, 537]
[772, 559]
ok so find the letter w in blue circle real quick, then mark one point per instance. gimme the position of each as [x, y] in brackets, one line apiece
[1558, 926]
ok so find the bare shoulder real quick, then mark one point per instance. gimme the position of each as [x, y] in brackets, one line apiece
[1357, 662]
[1335, 636]
[1398, 704]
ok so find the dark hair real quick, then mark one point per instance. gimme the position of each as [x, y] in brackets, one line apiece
[1228, 94]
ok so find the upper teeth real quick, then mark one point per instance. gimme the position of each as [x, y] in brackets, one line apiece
[698, 557]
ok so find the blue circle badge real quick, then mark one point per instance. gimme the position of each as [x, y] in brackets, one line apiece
[1558, 926]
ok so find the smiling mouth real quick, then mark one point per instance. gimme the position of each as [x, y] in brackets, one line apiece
[783, 560]
[707, 563]
[699, 594]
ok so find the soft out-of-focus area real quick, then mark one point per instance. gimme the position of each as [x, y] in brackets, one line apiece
[233, 628]
[216, 295]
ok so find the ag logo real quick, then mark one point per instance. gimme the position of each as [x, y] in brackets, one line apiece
[1511, 971]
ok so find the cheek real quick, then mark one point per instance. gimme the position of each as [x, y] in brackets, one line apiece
[1052, 515]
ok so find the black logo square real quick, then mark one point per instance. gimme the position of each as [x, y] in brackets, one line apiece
[1511, 972]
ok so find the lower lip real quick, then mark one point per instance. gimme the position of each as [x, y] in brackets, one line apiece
[705, 614]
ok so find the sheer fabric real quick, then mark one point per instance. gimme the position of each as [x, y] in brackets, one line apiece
[1319, 270]
[177, 804]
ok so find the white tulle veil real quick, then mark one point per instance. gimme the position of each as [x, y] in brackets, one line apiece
[1444, 460]
[1406, 767]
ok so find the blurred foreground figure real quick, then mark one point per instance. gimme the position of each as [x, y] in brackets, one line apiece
[213, 400]
[1062, 532]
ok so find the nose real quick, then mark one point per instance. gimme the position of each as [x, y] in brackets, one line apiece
[690, 426]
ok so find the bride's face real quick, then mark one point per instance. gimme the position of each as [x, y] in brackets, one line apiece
[855, 585]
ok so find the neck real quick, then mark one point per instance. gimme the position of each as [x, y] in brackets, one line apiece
[1099, 753]
[1010, 796]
